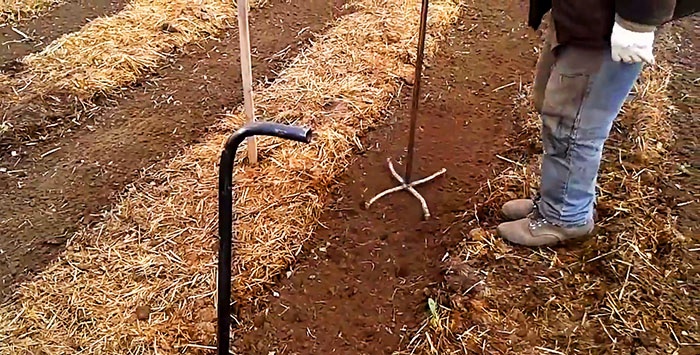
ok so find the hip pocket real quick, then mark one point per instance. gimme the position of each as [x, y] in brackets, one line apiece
[563, 99]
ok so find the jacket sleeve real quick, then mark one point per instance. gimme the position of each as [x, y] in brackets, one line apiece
[538, 8]
[646, 12]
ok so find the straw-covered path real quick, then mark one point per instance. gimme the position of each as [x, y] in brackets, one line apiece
[363, 284]
[72, 166]
[383, 282]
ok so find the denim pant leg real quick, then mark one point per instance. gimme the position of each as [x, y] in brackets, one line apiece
[583, 97]
[545, 62]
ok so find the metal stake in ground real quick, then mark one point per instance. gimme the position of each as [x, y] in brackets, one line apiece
[294, 133]
[406, 183]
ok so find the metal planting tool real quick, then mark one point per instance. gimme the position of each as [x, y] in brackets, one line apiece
[405, 181]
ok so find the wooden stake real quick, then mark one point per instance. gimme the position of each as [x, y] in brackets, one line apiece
[247, 74]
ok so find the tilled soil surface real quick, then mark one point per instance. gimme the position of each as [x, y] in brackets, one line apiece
[684, 195]
[362, 288]
[52, 188]
[18, 40]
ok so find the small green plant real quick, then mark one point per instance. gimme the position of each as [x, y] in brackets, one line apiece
[434, 315]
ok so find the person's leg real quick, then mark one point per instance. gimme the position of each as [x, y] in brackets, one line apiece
[545, 62]
[583, 96]
[521, 208]
[586, 96]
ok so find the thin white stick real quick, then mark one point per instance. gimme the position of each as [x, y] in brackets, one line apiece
[423, 204]
[393, 172]
[50, 152]
[26, 38]
[247, 74]
[431, 177]
[384, 193]
[407, 187]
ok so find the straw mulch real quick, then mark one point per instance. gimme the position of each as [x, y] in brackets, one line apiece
[111, 52]
[106, 55]
[4, 85]
[629, 290]
[157, 248]
[17, 10]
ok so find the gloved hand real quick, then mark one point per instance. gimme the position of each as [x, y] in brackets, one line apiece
[632, 47]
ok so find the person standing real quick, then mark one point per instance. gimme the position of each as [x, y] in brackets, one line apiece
[593, 53]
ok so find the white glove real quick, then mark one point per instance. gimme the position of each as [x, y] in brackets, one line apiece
[632, 47]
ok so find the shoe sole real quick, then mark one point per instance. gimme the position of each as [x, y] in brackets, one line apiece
[578, 241]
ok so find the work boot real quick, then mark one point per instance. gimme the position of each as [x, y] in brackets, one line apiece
[517, 209]
[535, 231]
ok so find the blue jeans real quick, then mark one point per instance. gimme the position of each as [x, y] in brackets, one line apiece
[578, 93]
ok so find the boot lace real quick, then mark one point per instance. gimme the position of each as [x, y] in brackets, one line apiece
[537, 220]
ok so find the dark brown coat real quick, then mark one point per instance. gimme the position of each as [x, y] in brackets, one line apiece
[589, 22]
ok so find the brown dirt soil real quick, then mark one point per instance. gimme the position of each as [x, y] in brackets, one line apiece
[43, 29]
[53, 187]
[684, 193]
[363, 285]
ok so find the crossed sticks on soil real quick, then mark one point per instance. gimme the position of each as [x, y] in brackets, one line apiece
[407, 186]
[406, 183]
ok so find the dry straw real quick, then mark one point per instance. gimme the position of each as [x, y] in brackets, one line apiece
[156, 248]
[114, 51]
[110, 53]
[17, 10]
[621, 292]
[106, 55]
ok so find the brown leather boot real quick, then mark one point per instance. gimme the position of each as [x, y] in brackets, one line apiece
[517, 209]
[535, 231]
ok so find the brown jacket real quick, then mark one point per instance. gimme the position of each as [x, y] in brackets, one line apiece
[589, 22]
